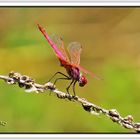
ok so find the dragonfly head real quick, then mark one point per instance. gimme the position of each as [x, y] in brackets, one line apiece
[82, 80]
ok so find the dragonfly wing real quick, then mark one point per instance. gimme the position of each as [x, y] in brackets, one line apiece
[88, 72]
[57, 51]
[60, 45]
[74, 50]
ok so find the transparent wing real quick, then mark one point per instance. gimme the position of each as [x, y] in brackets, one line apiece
[88, 72]
[74, 50]
[60, 45]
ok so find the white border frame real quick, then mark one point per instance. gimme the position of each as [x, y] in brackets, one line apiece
[70, 3]
[70, 136]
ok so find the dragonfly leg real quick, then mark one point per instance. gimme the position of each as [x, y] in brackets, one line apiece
[67, 78]
[69, 86]
[56, 74]
[74, 88]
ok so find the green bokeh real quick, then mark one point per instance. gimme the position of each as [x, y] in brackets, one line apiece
[110, 39]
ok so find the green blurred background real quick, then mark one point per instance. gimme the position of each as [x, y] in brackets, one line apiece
[111, 49]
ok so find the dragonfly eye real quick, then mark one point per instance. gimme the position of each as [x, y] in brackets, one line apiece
[82, 81]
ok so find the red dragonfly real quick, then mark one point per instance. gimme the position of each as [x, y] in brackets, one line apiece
[69, 59]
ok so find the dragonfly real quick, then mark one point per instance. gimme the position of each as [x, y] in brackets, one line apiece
[69, 59]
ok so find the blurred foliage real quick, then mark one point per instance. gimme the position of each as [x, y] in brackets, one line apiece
[110, 39]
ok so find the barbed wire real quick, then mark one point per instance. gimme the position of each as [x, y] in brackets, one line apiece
[30, 85]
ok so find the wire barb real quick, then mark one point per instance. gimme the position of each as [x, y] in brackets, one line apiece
[29, 84]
